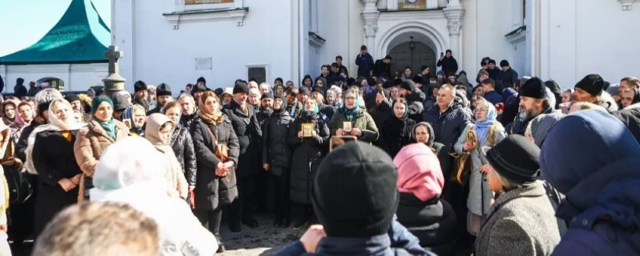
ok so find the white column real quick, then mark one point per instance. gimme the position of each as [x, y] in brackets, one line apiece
[124, 38]
[454, 13]
[370, 16]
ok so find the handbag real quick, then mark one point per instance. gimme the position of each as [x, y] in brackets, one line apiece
[462, 165]
[221, 151]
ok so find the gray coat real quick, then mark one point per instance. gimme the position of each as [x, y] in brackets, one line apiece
[521, 222]
[480, 196]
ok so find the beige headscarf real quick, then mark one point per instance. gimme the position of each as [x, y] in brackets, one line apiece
[214, 117]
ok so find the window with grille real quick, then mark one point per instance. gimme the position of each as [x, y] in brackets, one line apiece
[257, 73]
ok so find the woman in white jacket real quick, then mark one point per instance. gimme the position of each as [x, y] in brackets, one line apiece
[129, 172]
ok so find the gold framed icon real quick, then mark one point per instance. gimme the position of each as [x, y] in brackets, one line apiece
[307, 130]
[346, 126]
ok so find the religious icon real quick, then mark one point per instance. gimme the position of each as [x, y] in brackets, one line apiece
[346, 126]
[307, 130]
[127, 122]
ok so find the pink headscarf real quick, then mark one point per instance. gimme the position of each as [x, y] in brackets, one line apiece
[419, 171]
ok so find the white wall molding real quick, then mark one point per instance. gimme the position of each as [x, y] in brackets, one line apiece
[236, 15]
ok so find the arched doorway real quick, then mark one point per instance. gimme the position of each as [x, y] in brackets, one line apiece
[51, 82]
[414, 55]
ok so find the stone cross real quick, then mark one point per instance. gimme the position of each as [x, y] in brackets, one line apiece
[113, 54]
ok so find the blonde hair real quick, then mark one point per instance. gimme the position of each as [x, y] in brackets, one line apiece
[99, 229]
[506, 184]
[137, 107]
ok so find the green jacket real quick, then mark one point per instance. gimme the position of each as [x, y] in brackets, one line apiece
[362, 121]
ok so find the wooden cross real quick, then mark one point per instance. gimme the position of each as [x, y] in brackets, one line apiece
[113, 54]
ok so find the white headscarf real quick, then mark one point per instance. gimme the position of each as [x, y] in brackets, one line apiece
[54, 124]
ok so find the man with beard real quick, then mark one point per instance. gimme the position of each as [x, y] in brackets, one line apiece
[294, 107]
[262, 114]
[245, 124]
[534, 100]
[163, 93]
[415, 99]
[266, 107]
[141, 95]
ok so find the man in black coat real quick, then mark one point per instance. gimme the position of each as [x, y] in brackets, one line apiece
[508, 75]
[448, 63]
[247, 128]
[364, 61]
[382, 67]
[19, 90]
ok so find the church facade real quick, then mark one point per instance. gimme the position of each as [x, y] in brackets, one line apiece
[177, 41]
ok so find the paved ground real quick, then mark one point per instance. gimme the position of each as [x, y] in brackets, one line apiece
[264, 240]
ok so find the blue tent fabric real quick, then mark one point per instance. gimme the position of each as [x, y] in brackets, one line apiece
[80, 36]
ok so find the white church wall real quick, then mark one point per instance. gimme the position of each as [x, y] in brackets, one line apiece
[76, 77]
[165, 54]
[342, 27]
[492, 22]
[469, 33]
[606, 43]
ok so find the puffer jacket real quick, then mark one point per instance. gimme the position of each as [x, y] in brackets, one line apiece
[362, 120]
[275, 149]
[307, 154]
[182, 145]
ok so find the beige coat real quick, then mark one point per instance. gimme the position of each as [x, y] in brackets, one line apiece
[174, 174]
[91, 141]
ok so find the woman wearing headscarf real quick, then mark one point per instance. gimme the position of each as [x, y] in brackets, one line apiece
[421, 211]
[129, 172]
[279, 90]
[521, 221]
[182, 144]
[362, 124]
[101, 131]
[276, 158]
[158, 131]
[56, 166]
[215, 178]
[423, 133]
[395, 131]
[134, 118]
[488, 132]
[9, 110]
[307, 153]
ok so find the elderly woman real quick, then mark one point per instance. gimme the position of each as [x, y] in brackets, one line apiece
[158, 131]
[217, 150]
[539, 127]
[182, 143]
[254, 98]
[421, 211]
[522, 220]
[144, 188]
[59, 173]
[134, 118]
[101, 131]
[487, 132]
[352, 119]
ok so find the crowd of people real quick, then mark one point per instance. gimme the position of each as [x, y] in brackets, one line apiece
[383, 164]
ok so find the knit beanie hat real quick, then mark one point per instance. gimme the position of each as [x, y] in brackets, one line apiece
[419, 171]
[97, 101]
[44, 97]
[504, 63]
[241, 88]
[163, 90]
[120, 102]
[408, 85]
[534, 88]
[71, 97]
[139, 86]
[201, 79]
[516, 158]
[355, 192]
[593, 84]
[267, 95]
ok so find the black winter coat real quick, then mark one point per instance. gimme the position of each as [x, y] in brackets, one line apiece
[182, 145]
[275, 147]
[21, 145]
[53, 163]
[211, 191]
[262, 115]
[248, 131]
[447, 128]
[509, 77]
[449, 65]
[433, 222]
[307, 155]
[380, 112]
[395, 134]
[416, 105]
[186, 120]
[381, 69]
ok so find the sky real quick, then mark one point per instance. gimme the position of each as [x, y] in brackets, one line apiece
[24, 22]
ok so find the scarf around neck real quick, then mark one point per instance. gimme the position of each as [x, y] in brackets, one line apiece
[109, 126]
[214, 117]
[350, 113]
